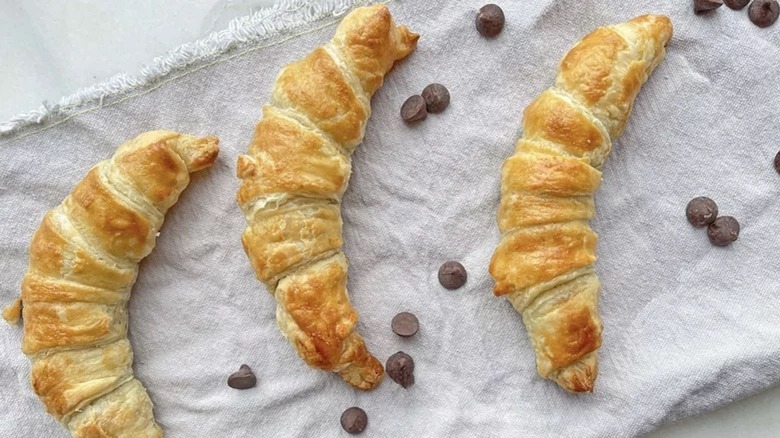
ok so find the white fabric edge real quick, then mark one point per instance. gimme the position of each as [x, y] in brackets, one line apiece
[283, 16]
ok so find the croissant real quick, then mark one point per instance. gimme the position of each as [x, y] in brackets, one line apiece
[293, 178]
[544, 262]
[83, 263]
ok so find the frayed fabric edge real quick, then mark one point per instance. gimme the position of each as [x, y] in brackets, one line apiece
[282, 17]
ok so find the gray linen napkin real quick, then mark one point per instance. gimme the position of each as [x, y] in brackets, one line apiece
[688, 327]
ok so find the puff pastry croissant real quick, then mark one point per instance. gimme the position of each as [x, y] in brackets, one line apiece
[293, 178]
[83, 262]
[544, 263]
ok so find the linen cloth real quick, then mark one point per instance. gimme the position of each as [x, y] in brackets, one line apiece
[688, 326]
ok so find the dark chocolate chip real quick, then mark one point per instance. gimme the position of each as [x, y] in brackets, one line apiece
[405, 324]
[700, 6]
[400, 367]
[723, 231]
[413, 109]
[437, 98]
[777, 162]
[354, 420]
[244, 378]
[701, 211]
[736, 4]
[763, 13]
[452, 275]
[490, 20]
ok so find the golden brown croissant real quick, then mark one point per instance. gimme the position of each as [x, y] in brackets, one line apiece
[83, 263]
[544, 263]
[294, 175]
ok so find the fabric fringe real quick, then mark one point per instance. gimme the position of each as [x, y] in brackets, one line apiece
[282, 17]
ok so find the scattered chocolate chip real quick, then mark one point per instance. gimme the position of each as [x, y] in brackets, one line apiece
[700, 6]
[437, 98]
[244, 378]
[701, 211]
[452, 275]
[777, 162]
[723, 231]
[763, 13]
[736, 4]
[354, 420]
[405, 324]
[400, 367]
[490, 20]
[413, 109]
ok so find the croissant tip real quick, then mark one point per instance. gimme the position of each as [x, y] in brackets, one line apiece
[411, 37]
[580, 387]
[580, 376]
[200, 153]
[662, 25]
[365, 376]
[371, 382]
[13, 313]
[576, 385]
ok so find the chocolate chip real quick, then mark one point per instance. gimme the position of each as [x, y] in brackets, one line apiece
[490, 20]
[413, 109]
[437, 98]
[736, 4]
[701, 211]
[763, 13]
[244, 378]
[405, 324]
[777, 162]
[723, 231]
[452, 275]
[354, 420]
[400, 367]
[700, 6]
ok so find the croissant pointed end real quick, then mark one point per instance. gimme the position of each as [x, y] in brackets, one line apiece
[366, 374]
[198, 153]
[660, 26]
[579, 376]
[667, 27]
[408, 41]
[576, 385]
[13, 313]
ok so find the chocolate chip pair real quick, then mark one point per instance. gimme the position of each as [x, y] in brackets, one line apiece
[434, 99]
[762, 13]
[703, 211]
[400, 366]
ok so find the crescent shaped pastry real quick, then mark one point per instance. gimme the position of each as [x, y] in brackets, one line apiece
[544, 263]
[83, 263]
[293, 177]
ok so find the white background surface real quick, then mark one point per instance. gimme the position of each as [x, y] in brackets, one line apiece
[51, 48]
